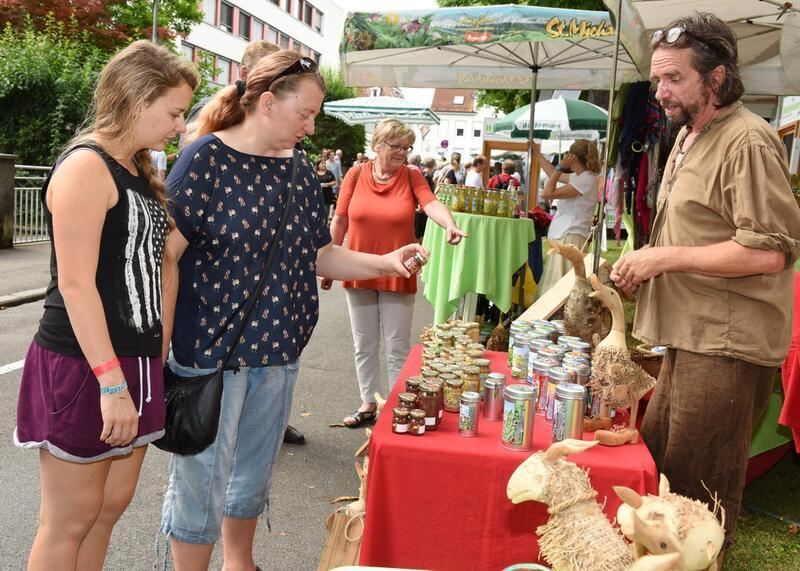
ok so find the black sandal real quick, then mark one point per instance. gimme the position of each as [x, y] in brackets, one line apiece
[363, 418]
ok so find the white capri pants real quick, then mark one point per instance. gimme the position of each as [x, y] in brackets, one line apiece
[374, 314]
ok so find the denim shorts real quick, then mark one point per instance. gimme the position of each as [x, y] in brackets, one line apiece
[230, 478]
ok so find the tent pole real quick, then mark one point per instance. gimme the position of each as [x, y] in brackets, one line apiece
[601, 219]
[534, 76]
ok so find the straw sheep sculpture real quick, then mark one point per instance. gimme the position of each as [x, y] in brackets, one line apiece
[577, 536]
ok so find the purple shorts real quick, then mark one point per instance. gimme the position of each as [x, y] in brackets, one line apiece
[59, 405]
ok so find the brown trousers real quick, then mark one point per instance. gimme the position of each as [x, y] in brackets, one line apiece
[699, 424]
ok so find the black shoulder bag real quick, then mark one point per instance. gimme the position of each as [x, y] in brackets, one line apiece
[194, 403]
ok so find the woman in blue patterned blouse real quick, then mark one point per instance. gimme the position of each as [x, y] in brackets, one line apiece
[228, 191]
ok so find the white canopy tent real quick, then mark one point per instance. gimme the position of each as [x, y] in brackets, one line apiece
[369, 110]
[768, 34]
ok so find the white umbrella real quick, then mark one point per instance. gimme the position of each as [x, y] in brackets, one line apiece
[368, 110]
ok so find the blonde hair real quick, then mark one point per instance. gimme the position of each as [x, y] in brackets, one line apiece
[586, 153]
[256, 51]
[228, 108]
[135, 77]
[390, 129]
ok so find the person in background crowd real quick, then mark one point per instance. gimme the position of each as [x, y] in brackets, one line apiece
[327, 181]
[334, 167]
[506, 178]
[497, 168]
[456, 173]
[475, 174]
[420, 218]
[414, 163]
[716, 282]
[577, 199]
[376, 211]
[359, 159]
[159, 159]
[227, 194]
[101, 329]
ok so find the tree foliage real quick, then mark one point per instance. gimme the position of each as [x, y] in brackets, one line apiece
[330, 132]
[108, 24]
[46, 83]
[506, 100]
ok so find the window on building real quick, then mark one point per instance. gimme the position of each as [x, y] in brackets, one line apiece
[210, 11]
[317, 57]
[459, 132]
[299, 7]
[226, 17]
[476, 132]
[223, 71]
[287, 5]
[187, 50]
[283, 41]
[276, 2]
[308, 15]
[258, 29]
[374, 91]
[318, 20]
[272, 35]
[244, 25]
[458, 100]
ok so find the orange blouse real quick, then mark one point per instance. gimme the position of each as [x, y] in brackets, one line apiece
[381, 217]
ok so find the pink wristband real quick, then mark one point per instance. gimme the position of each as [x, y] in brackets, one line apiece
[105, 367]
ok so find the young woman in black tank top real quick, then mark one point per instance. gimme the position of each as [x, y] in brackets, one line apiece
[91, 395]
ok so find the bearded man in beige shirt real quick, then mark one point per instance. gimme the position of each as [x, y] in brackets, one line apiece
[716, 281]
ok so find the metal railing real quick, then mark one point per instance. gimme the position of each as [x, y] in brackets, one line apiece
[29, 221]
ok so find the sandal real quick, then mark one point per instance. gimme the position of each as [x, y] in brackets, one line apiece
[362, 418]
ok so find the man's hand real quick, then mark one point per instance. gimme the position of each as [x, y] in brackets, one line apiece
[638, 266]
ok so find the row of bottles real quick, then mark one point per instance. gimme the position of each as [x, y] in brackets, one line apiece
[489, 202]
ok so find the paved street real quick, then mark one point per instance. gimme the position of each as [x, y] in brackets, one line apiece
[306, 477]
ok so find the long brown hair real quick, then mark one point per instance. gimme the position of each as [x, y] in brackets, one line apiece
[135, 77]
[586, 153]
[228, 108]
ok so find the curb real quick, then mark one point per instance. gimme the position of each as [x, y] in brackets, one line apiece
[22, 297]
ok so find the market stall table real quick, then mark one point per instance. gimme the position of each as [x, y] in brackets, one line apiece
[482, 263]
[439, 501]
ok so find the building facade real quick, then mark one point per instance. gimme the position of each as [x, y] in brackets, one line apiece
[312, 27]
[461, 126]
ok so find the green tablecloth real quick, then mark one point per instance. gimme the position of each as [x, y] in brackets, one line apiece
[482, 263]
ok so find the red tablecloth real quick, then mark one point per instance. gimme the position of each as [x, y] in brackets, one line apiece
[790, 413]
[439, 501]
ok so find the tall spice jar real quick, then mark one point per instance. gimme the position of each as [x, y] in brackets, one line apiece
[556, 376]
[485, 367]
[568, 416]
[519, 360]
[471, 376]
[541, 368]
[452, 394]
[468, 413]
[493, 397]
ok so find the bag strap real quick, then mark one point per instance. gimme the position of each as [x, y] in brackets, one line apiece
[273, 248]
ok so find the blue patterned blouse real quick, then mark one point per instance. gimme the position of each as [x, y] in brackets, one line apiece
[227, 205]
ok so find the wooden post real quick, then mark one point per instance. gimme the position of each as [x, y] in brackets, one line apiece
[7, 200]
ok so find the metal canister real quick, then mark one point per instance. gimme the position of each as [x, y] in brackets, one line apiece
[580, 345]
[550, 353]
[556, 376]
[493, 397]
[519, 360]
[519, 405]
[569, 407]
[561, 349]
[517, 328]
[566, 339]
[581, 371]
[468, 413]
[541, 368]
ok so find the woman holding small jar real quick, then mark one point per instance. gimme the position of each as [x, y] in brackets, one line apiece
[375, 210]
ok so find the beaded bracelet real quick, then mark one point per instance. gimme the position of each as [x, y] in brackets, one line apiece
[105, 391]
[106, 366]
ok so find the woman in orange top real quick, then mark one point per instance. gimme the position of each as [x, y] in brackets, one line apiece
[376, 210]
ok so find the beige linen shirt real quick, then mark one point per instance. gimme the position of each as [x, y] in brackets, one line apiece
[732, 184]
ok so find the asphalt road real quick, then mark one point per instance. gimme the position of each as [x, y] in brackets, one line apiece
[305, 480]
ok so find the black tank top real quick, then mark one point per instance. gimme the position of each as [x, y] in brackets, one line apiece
[128, 270]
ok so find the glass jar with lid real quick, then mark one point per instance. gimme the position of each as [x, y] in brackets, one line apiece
[471, 376]
[452, 394]
[400, 420]
[428, 394]
[416, 422]
[407, 401]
